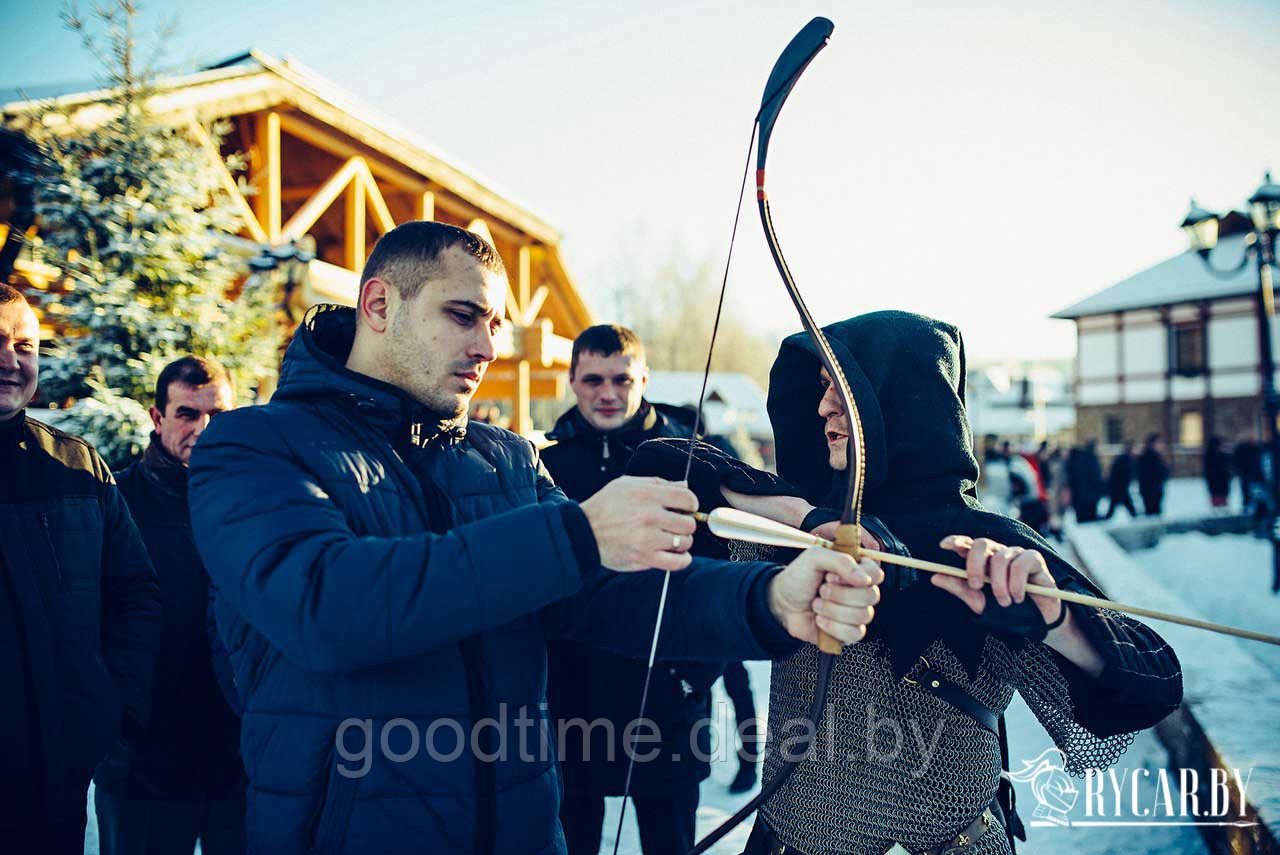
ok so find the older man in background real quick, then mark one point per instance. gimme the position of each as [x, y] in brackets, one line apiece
[181, 781]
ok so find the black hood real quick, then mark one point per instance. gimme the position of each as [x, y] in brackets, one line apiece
[907, 375]
[315, 366]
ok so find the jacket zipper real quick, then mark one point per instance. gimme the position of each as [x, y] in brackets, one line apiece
[604, 457]
[48, 536]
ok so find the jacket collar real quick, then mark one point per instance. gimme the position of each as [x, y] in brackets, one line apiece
[573, 425]
[163, 469]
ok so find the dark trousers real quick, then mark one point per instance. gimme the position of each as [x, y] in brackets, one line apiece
[1151, 503]
[667, 822]
[737, 685]
[1086, 511]
[1124, 500]
[59, 838]
[147, 827]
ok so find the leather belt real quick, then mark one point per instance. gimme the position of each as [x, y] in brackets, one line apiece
[935, 683]
[765, 842]
[970, 835]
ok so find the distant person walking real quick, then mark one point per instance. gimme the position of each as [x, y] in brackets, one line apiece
[1084, 473]
[1246, 460]
[1217, 472]
[1028, 491]
[1119, 480]
[1152, 473]
[1059, 491]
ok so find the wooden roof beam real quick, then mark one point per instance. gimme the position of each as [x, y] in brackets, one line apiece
[228, 183]
[266, 203]
[332, 143]
[296, 126]
[314, 208]
[354, 224]
[373, 196]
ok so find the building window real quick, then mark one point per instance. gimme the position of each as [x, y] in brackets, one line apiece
[1188, 349]
[1191, 429]
[1113, 430]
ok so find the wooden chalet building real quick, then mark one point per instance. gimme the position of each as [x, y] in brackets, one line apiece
[1172, 350]
[324, 168]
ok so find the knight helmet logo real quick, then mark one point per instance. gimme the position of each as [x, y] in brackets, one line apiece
[1050, 785]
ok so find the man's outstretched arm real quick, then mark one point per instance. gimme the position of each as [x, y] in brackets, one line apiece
[282, 552]
[726, 610]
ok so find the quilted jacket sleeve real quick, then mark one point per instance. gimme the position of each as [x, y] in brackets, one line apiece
[281, 551]
[130, 602]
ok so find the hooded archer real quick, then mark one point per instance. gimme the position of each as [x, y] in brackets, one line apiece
[910, 743]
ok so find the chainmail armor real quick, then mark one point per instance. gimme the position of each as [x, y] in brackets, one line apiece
[869, 783]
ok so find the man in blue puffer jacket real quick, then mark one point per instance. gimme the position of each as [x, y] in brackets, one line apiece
[387, 576]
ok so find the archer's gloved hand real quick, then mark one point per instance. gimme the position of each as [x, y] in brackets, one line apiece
[711, 470]
[995, 589]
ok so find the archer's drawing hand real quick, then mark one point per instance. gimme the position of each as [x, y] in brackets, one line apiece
[828, 532]
[1009, 568]
[642, 523]
[790, 510]
[827, 590]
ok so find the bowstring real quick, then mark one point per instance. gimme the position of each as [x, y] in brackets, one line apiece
[688, 467]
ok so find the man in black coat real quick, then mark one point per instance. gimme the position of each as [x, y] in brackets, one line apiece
[1152, 473]
[1246, 460]
[181, 780]
[1084, 474]
[79, 610]
[1119, 480]
[594, 442]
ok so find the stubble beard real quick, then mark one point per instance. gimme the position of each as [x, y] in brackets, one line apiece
[838, 456]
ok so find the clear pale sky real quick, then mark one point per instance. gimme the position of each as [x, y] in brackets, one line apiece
[985, 162]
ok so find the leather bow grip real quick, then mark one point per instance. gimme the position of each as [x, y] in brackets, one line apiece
[848, 540]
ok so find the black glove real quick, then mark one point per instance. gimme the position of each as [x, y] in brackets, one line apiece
[712, 469]
[1017, 620]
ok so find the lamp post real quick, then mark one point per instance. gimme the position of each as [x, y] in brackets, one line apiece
[1202, 227]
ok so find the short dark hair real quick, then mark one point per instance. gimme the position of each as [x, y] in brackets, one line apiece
[191, 371]
[408, 255]
[606, 340]
[9, 294]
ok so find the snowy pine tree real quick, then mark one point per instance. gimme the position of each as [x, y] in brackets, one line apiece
[133, 213]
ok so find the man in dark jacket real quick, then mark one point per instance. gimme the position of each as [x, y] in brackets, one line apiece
[387, 575]
[1246, 461]
[182, 780]
[79, 610]
[1119, 480]
[1152, 473]
[1217, 472]
[594, 442]
[1084, 473]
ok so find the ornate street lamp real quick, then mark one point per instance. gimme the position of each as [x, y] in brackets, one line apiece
[290, 262]
[1202, 229]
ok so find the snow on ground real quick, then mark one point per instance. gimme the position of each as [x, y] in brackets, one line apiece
[1226, 578]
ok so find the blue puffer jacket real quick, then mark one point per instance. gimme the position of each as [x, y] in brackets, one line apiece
[364, 645]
